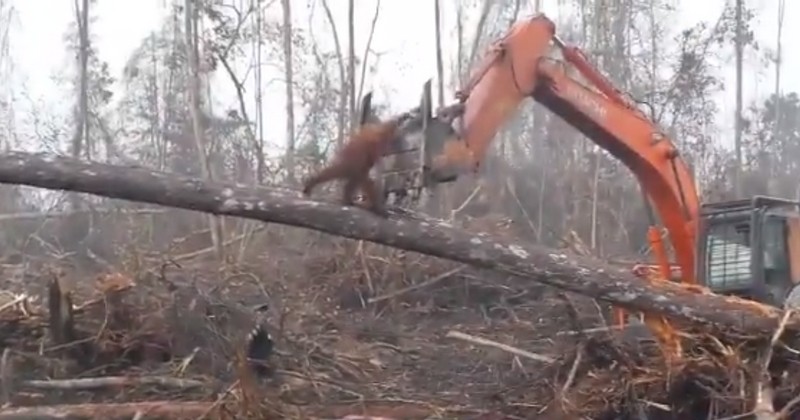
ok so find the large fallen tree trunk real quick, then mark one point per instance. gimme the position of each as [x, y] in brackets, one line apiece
[576, 274]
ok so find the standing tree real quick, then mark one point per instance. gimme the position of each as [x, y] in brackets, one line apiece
[439, 65]
[81, 136]
[198, 125]
[289, 79]
[343, 90]
[351, 61]
[778, 60]
[258, 44]
[10, 195]
[739, 46]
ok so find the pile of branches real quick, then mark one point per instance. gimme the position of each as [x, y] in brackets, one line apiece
[154, 350]
[166, 350]
[600, 372]
[624, 376]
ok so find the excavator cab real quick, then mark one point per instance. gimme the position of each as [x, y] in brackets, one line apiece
[750, 248]
[405, 170]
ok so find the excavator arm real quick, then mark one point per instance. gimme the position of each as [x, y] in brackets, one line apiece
[531, 61]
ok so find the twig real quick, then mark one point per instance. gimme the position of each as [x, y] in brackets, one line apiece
[414, 287]
[738, 416]
[187, 361]
[218, 401]
[14, 302]
[505, 347]
[787, 409]
[367, 47]
[199, 252]
[573, 370]
[365, 267]
[113, 381]
[521, 207]
[6, 376]
[9, 217]
[608, 328]
[78, 309]
[764, 407]
[465, 203]
[250, 229]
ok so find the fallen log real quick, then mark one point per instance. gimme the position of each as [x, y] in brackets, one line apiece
[583, 275]
[112, 381]
[162, 409]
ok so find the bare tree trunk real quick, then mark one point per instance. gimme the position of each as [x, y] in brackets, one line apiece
[772, 180]
[8, 131]
[368, 48]
[351, 61]
[739, 46]
[655, 58]
[439, 63]
[343, 90]
[515, 14]
[288, 75]
[81, 135]
[779, 64]
[479, 29]
[84, 88]
[261, 166]
[445, 202]
[540, 203]
[460, 73]
[595, 194]
[155, 123]
[251, 136]
[594, 28]
[197, 124]
[169, 94]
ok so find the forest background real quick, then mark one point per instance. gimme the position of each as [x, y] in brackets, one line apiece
[264, 90]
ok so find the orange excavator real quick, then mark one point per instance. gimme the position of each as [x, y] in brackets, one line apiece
[749, 248]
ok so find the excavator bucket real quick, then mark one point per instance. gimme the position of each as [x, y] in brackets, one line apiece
[405, 169]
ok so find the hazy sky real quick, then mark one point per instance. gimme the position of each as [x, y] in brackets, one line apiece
[404, 33]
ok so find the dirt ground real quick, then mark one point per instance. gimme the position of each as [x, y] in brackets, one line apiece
[358, 329]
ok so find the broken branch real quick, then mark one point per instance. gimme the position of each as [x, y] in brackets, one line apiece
[167, 409]
[505, 347]
[413, 287]
[113, 381]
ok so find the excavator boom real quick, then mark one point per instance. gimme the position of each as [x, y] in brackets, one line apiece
[530, 61]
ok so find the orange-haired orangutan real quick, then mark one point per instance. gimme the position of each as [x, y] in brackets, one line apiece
[354, 160]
